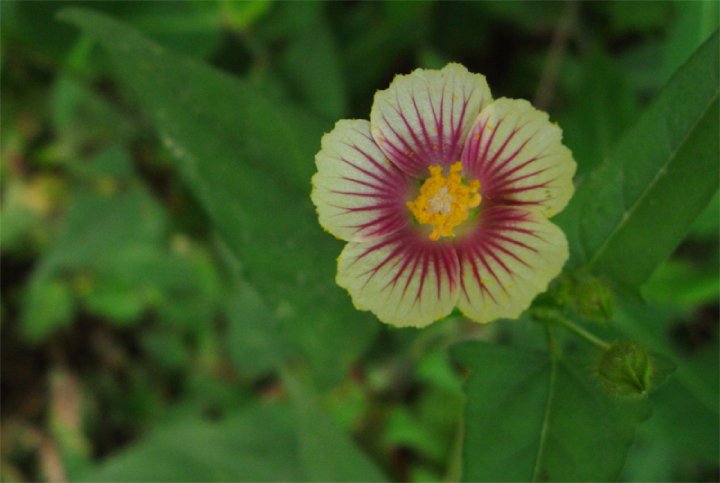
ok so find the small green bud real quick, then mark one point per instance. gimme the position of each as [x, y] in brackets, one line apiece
[593, 298]
[626, 369]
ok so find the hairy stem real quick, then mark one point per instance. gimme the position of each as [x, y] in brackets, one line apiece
[584, 334]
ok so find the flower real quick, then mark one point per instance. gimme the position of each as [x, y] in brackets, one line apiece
[444, 198]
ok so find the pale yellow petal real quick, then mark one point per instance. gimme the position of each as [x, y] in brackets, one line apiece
[518, 156]
[405, 280]
[423, 118]
[358, 193]
[508, 260]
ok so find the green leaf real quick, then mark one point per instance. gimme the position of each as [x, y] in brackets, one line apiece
[82, 118]
[681, 285]
[369, 54]
[310, 64]
[603, 106]
[252, 331]
[257, 445]
[685, 408]
[249, 161]
[325, 452]
[47, 305]
[653, 325]
[529, 417]
[98, 217]
[634, 209]
[707, 225]
[628, 17]
[693, 23]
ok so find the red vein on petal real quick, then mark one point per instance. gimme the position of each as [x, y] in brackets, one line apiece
[451, 264]
[373, 271]
[515, 242]
[423, 127]
[366, 172]
[505, 181]
[438, 275]
[472, 147]
[482, 165]
[423, 274]
[505, 193]
[407, 258]
[478, 252]
[439, 123]
[490, 164]
[508, 193]
[457, 128]
[403, 156]
[405, 121]
[385, 228]
[355, 209]
[498, 246]
[365, 183]
[381, 195]
[383, 169]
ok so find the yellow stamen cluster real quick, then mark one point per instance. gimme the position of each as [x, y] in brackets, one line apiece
[445, 202]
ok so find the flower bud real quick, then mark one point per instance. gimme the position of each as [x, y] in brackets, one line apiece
[626, 369]
[593, 298]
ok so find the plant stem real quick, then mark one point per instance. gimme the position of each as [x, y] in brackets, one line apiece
[563, 32]
[584, 334]
[552, 342]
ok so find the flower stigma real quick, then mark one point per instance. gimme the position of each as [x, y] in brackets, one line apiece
[445, 202]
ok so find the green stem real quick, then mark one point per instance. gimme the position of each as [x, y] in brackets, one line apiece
[553, 346]
[584, 334]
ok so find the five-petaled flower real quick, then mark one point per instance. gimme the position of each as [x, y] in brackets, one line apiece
[444, 198]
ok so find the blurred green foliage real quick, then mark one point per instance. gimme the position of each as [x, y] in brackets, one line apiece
[169, 310]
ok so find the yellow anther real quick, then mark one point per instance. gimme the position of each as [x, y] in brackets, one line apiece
[445, 202]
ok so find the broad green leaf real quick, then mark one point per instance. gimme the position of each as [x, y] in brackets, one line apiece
[633, 210]
[249, 161]
[685, 415]
[190, 27]
[693, 23]
[685, 409]
[602, 106]
[653, 325]
[678, 442]
[240, 15]
[252, 331]
[682, 285]
[530, 417]
[80, 117]
[628, 17]
[47, 305]
[707, 225]
[257, 445]
[87, 239]
[326, 453]
[310, 62]
[369, 54]
[166, 349]
[107, 208]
